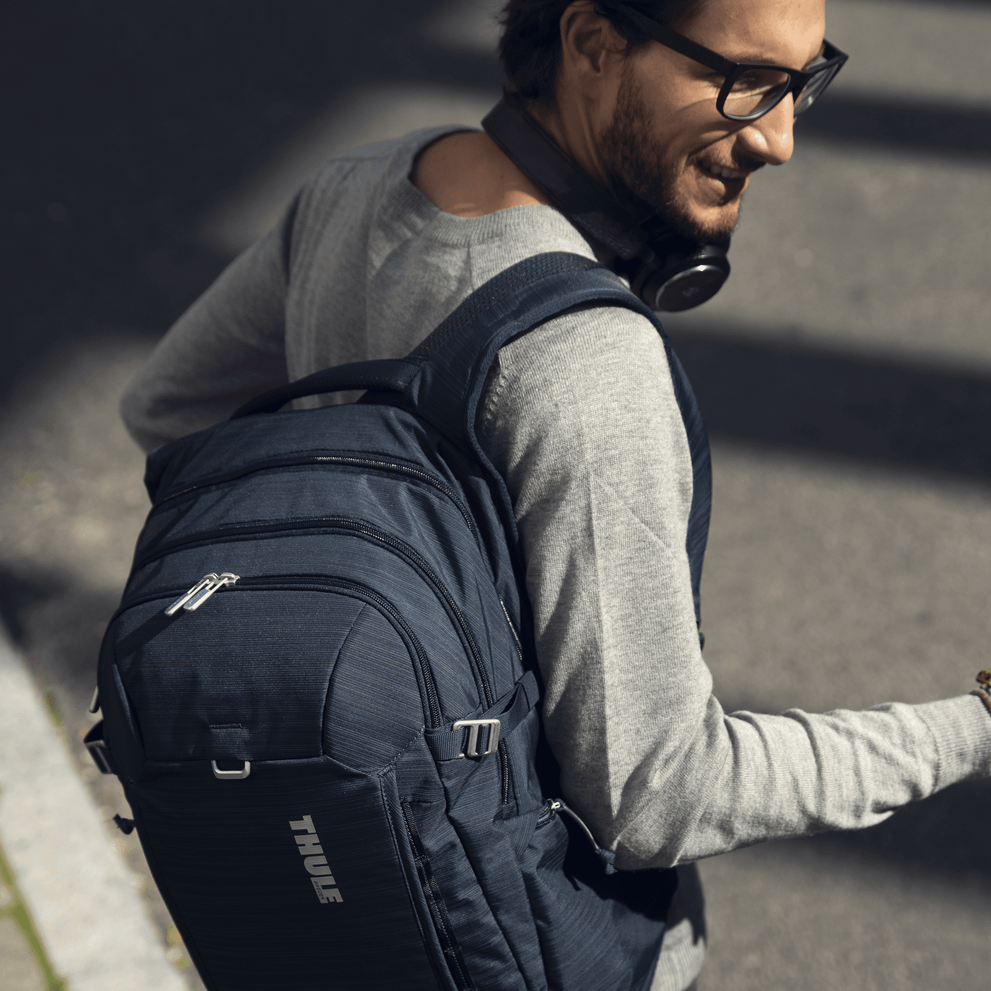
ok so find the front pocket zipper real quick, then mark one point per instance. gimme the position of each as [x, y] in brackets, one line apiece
[435, 903]
[310, 583]
[333, 524]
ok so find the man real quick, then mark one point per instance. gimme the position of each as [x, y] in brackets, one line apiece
[580, 418]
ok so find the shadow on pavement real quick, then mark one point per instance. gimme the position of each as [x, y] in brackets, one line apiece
[59, 624]
[21, 592]
[945, 835]
[126, 123]
[795, 395]
[946, 130]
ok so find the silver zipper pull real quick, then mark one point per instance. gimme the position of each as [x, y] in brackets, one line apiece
[204, 593]
[183, 599]
[201, 591]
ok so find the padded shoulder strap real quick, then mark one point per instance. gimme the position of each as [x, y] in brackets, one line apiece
[455, 361]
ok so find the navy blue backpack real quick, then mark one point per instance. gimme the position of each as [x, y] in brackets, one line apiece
[320, 690]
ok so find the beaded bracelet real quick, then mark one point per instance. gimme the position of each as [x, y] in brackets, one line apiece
[983, 693]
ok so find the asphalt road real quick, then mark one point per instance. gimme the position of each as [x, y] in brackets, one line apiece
[845, 372]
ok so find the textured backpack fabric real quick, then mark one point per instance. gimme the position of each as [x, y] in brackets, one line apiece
[317, 599]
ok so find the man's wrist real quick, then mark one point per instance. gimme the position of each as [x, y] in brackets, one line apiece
[984, 692]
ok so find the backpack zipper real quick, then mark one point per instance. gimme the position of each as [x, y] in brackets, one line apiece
[373, 464]
[335, 524]
[503, 749]
[315, 583]
[435, 903]
[512, 629]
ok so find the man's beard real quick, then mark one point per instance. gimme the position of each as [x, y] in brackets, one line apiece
[635, 170]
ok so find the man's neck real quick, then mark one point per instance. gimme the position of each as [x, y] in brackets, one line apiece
[468, 175]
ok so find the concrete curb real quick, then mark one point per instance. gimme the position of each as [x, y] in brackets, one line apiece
[77, 889]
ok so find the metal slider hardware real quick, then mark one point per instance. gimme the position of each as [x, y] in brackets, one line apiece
[98, 751]
[473, 727]
[201, 591]
[98, 748]
[231, 775]
[183, 599]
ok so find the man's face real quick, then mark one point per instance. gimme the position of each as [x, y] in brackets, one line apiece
[670, 146]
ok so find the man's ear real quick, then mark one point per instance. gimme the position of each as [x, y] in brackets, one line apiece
[590, 46]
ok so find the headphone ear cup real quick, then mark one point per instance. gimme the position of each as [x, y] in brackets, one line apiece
[679, 282]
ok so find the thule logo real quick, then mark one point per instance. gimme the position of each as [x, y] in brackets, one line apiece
[315, 862]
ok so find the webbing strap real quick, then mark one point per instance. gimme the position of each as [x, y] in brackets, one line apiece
[457, 356]
[447, 743]
[511, 282]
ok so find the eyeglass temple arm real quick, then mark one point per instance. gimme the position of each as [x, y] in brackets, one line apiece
[678, 42]
[685, 46]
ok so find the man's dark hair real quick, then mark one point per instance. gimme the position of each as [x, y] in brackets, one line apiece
[530, 46]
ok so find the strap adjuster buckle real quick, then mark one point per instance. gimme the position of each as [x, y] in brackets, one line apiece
[474, 725]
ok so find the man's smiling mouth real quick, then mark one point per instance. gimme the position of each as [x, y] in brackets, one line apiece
[721, 171]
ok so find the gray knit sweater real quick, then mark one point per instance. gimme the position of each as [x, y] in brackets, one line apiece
[580, 417]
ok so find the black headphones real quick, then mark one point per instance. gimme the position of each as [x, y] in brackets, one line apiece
[667, 270]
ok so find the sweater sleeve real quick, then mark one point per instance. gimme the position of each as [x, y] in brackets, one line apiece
[581, 419]
[226, 348]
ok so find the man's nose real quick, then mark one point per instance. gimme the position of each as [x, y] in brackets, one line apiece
[770, 138]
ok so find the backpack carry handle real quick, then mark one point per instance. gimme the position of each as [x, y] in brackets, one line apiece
[386, 375]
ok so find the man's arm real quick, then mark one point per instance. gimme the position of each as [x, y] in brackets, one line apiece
[581, 419]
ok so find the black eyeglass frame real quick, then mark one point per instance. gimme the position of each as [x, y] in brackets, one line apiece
[797, 80]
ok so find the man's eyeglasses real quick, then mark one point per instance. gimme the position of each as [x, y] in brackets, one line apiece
[751, 89]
